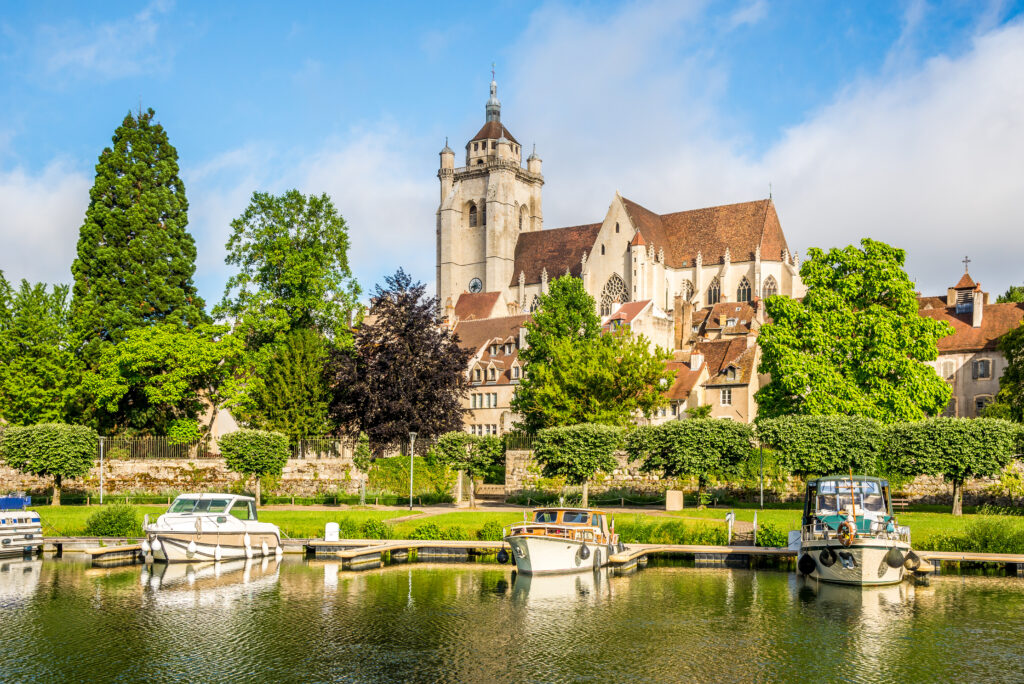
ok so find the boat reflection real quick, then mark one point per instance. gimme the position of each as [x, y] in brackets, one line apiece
[544, 590]
[209, 583]
[19, 580]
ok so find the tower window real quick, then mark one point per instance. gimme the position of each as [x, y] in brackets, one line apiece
[616, 227]
[476, 146]
[743, 291]
[714, 292]
[602, 250]
[472, 215]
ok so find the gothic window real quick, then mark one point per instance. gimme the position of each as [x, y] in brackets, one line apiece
[535, 304]
[714, 292]
[613, 294]
[522, 215]
[472, 215]
[743, 291]
[687, 290]
[770, 288]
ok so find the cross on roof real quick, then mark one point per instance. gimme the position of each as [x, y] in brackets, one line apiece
[966, 261]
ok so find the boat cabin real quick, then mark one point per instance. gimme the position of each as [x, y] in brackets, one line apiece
[241, 507]
[574, 523]
[832, 500]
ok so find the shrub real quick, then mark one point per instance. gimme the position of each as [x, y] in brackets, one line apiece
[376, 529]
[768, 534]
[671, 532]
[116, 520]
[433, 531]
[54, 449]
[348, 528]
[184, 431]
[255, 452]
[988, 532]
[818, 445]
[491, 531]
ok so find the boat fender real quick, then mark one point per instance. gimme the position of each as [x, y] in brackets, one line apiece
[503, 556]
[192, 548]
[827, 557]
[894, 558]
[264, 548]
[806, 564]
[217, 553]
[912, 562]
[246, 540]
[156, 546]
[248, 551]
[845, 532]
[584, 552]
[279, 551]
[145, 546]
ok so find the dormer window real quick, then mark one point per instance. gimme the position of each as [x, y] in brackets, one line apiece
[476, 375]
[494, 350]
[515, 372]
[730, 373]
[508, 348]
[730, 322]
[493, 375]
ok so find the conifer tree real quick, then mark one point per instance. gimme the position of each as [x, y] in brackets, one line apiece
[135, 259]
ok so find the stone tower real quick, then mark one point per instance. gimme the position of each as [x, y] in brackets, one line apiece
[484, 206]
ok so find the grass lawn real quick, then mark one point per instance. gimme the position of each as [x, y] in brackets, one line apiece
[469, 521]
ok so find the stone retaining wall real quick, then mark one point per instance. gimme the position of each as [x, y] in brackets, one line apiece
[301, 477]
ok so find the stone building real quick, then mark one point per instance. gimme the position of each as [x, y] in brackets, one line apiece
[969, 359]
[645, 270]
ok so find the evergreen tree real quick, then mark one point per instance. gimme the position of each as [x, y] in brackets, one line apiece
[36, 364]
[135, 259]
[1014, 294]
[406, 371]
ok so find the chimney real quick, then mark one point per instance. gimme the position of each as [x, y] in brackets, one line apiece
[759, 310]
[687, 322]
[677, 320]
[721, 319]
[979, 305]
[696, 360]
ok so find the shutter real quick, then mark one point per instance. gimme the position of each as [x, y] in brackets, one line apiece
[974, 370]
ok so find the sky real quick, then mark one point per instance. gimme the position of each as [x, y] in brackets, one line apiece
[903, 122]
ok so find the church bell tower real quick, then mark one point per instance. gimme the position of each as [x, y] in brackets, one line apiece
[484, 207]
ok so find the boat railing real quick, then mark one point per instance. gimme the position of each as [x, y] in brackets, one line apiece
[879, 530]
[558, 530]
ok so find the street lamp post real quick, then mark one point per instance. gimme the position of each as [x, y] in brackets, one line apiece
[412, 446]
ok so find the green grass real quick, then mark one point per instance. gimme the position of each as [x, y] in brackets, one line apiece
[469, 521]
[306, 524]
[69, 521]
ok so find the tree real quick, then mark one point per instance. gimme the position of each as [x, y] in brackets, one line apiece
[822, 445]
[476, 455]
[405, 372]
[161, 374]
[1013, 294]
[855, 344]
[1010, 400]
[50, 449]
[956, 448]
[576, 375]
[256, 453]
[289, 392]
[697, 447]
[37, 368]
[135, 259]
[577, 452]
[291, 252]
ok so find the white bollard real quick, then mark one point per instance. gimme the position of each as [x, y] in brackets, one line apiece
[332, 532]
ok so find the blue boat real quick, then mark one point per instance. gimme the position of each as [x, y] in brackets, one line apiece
[21, 530]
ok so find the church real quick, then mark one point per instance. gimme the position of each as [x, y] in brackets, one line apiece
[692, 281]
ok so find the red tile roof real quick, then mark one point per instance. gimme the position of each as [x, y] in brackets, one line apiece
[744, 365]
[630, 310]
[684, 382]
[493, 130]
[966, 283]
[719, 353]
[474, 306]
[474, 335]
[742, 312]
[996, 321]
[557, 250]
[741, 228]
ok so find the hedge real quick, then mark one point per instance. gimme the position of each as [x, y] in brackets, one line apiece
[54, 449]
[819, 445]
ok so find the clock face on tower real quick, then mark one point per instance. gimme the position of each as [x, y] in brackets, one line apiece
[475, 285]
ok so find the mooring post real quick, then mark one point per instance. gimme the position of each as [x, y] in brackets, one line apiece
[102, 440]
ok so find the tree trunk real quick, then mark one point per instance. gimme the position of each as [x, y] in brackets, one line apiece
[586, 493]
[472, 492]
[56, 490]
[958, 497]
[702, 487]
[258, 501]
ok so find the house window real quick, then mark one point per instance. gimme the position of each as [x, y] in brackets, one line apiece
[714, 292]
[982, 369]
[730, 373]
[726, 396]
[494, 350]
[696, 328]
[950, 411]
[515, 372]
[729, 322]
[476, 146]
[743, 291]
[675, 409]
[508, 348]
[493, 375]
[476, 375]
[980, 402]
[948, 369]
[472, 215]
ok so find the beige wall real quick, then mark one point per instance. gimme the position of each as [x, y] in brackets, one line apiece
[957, 370]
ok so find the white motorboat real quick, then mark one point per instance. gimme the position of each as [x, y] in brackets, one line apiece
[21, 530]
[562, 540]
[850, 535]
[210, 527]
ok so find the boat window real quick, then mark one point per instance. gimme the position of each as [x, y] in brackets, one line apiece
[211, 505]
[575, 517]
[243, 510]
[827, 503]
[545, 517]
[874, 503]
[598, 522]
[183, 506]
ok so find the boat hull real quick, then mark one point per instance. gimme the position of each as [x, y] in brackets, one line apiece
[539, 555]
[865, 562]
[174, 546]
[21, 534]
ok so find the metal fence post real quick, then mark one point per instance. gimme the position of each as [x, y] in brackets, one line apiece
[761, 476]
[102, 442]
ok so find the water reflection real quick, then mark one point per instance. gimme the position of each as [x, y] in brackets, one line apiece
[204, 584]
[18, 580]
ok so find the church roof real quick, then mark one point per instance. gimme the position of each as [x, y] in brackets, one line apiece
[741, 228]
[475, 305]
[493, 130]
[996, 321]
[966, 283]
[557, 250]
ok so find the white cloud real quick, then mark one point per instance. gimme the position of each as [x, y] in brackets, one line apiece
[39, 220]
[749, 14]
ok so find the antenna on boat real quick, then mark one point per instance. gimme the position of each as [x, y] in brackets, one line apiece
[853, 498]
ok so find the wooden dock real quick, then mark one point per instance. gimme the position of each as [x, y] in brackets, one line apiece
[109, 556]
[357, 554]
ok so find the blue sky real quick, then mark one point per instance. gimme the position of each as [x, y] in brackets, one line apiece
[901, 121]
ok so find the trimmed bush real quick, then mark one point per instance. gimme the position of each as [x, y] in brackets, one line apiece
[116, 520]
[491, 531]
[577, 452]
[376, 529]
[433, 531]
[820, 445]
[55, 449]
[480, 457]
[768, 534]
[255, 453]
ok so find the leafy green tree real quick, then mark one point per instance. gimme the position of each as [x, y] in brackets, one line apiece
[855, 344]
[135, 259]
[822, 445]
[577, 452]
[50, 449]
[476, 455]
[576, 375]
[956, 448]
[691, 448]
[289, 392]
[702, 411]
[1010, 400]
[1013, 294]
[255, 453]
[291, 252]
[161, 374]
[37, 368]
[406, 371]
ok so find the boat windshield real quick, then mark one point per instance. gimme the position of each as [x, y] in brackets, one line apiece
[545, 516]
[838, 495]
[244, 510]
[575, 517]
[189, 505]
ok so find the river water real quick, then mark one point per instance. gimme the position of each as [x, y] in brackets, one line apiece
[310, 621]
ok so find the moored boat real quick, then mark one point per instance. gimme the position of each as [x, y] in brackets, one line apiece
[562, 540]
[21, 530]
[849, 534]
[210, 527]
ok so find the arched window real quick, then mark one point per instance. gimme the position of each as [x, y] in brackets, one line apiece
[770, 287]
[743, 291]
[614, 293]
[686, 290]
[714, 292]
[472, 215]
[535, 304]
[616, 227]
[602, 250]
[522, 217]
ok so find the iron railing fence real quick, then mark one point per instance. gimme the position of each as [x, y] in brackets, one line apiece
[115, 448]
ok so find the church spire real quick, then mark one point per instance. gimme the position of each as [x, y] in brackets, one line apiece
[493, 103]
